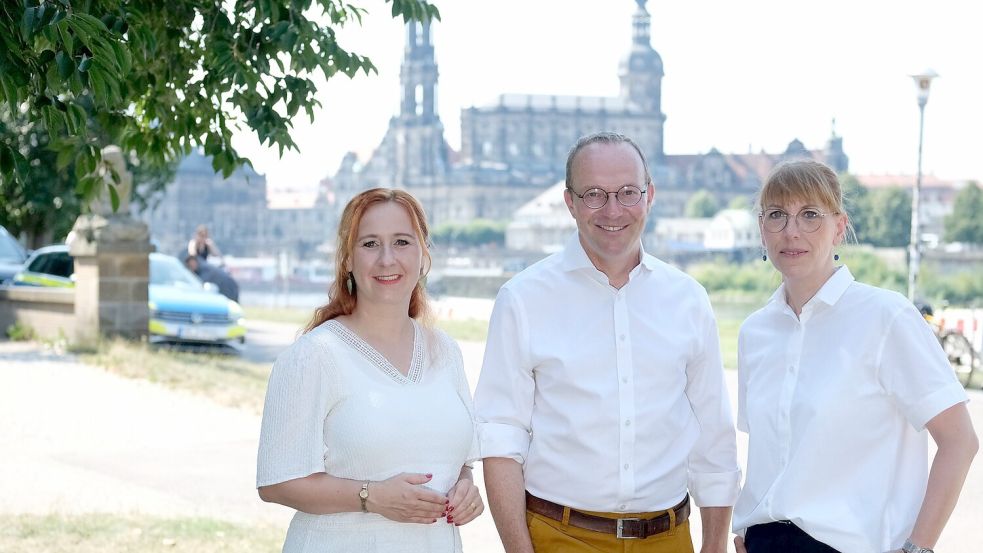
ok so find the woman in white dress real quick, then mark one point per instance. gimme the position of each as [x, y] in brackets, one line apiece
[368, 428]
[837, 383]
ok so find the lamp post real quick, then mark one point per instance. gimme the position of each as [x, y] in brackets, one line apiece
[923, 81]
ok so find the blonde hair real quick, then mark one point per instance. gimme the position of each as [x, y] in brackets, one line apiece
[808, 181]
[342, 301]
[802, 180]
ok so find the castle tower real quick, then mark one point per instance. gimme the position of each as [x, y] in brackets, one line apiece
[421, 153]
[641, 75]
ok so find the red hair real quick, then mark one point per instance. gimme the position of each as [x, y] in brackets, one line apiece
[342, 302]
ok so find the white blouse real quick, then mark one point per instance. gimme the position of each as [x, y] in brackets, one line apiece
[335, 405]
[835, 403]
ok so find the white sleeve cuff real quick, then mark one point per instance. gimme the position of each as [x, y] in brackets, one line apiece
[715, 489]
[935, 403]
[503, 440]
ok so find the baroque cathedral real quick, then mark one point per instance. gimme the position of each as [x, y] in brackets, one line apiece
[514, 149]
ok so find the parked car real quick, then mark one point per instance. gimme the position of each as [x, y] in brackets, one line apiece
[182, 308]
[12, 256]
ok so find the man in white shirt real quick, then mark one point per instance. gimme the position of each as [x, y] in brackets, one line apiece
[601, 404]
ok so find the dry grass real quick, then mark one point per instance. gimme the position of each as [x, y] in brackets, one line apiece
[99, 533]
[227, 379]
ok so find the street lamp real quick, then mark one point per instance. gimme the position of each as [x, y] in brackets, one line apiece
[923, 81]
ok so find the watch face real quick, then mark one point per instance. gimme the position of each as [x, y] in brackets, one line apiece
[364, 494]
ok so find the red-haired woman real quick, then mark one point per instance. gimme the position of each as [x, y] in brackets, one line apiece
[368, 427]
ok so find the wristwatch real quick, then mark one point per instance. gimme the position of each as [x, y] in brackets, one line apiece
[363, 494]
[909, 547]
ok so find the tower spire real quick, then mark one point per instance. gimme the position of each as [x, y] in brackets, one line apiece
[418, 73]
[641, 25]
[641, 75]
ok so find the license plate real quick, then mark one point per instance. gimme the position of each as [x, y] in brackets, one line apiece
[196, 333]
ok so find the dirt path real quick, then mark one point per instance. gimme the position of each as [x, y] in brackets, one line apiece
[77, 439]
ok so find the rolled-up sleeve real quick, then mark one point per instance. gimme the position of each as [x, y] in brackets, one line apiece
[714, 475]
[504, 396]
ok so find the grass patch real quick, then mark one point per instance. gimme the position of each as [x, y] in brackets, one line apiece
[98, 533]
[292, 315]
[730, 315]
[468, 330]
[227, 379]
[728, 329]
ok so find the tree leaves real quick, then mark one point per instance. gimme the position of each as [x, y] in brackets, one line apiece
[161, 78]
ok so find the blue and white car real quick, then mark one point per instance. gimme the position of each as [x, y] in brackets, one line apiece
[12, 256]
[182, 308]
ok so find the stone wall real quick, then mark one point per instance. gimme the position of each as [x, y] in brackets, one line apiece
[49, 312]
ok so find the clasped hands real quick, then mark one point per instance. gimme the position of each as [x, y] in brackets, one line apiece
[403, 498]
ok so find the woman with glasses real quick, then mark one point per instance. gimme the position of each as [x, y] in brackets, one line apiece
[837, 381]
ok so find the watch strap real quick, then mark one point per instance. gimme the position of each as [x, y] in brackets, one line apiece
[363, 495]
[909, 547]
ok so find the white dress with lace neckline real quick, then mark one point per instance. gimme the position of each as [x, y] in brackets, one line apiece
[379, 360]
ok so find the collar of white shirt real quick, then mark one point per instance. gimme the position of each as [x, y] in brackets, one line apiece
[829, 293]
[574, 257]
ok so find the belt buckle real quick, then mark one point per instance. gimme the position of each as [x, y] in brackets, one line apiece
[620, 531]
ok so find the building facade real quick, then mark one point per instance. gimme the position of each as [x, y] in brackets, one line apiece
[238, 214]
[515, 148]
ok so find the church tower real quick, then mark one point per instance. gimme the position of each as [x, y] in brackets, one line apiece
[421, 152]
[641, 78]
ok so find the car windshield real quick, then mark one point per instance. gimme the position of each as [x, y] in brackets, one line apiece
[53, 263]
[9, 249]
[169, 271]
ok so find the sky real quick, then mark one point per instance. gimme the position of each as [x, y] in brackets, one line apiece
[740, 76]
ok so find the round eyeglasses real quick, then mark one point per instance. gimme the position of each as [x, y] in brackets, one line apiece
[595, 198]
[808, 219]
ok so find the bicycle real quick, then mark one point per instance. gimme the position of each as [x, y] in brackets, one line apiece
[957, 347]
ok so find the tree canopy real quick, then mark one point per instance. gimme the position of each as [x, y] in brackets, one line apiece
[965, 223]
[160, 78]
[702, 204]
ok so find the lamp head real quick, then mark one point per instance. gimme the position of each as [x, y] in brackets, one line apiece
[923, 81]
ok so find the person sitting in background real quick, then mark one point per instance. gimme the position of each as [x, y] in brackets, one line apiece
[227, 286]
[201, 245]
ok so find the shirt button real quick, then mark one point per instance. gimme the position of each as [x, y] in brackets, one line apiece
[628, 422]
[625, 380]
[626, 468]
[621, 337]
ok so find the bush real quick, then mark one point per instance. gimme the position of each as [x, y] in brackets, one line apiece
[754, 279]
[479, 232]
[20, 332]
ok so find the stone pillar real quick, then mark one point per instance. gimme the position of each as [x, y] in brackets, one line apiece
[111, 265]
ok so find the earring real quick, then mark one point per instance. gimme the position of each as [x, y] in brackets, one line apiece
[836, 257]
[764, 257]
[350, 284]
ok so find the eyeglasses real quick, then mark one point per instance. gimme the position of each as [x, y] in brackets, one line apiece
[808, 219]
[595, 198]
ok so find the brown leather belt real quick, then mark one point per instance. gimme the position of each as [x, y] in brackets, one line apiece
[624, 528]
